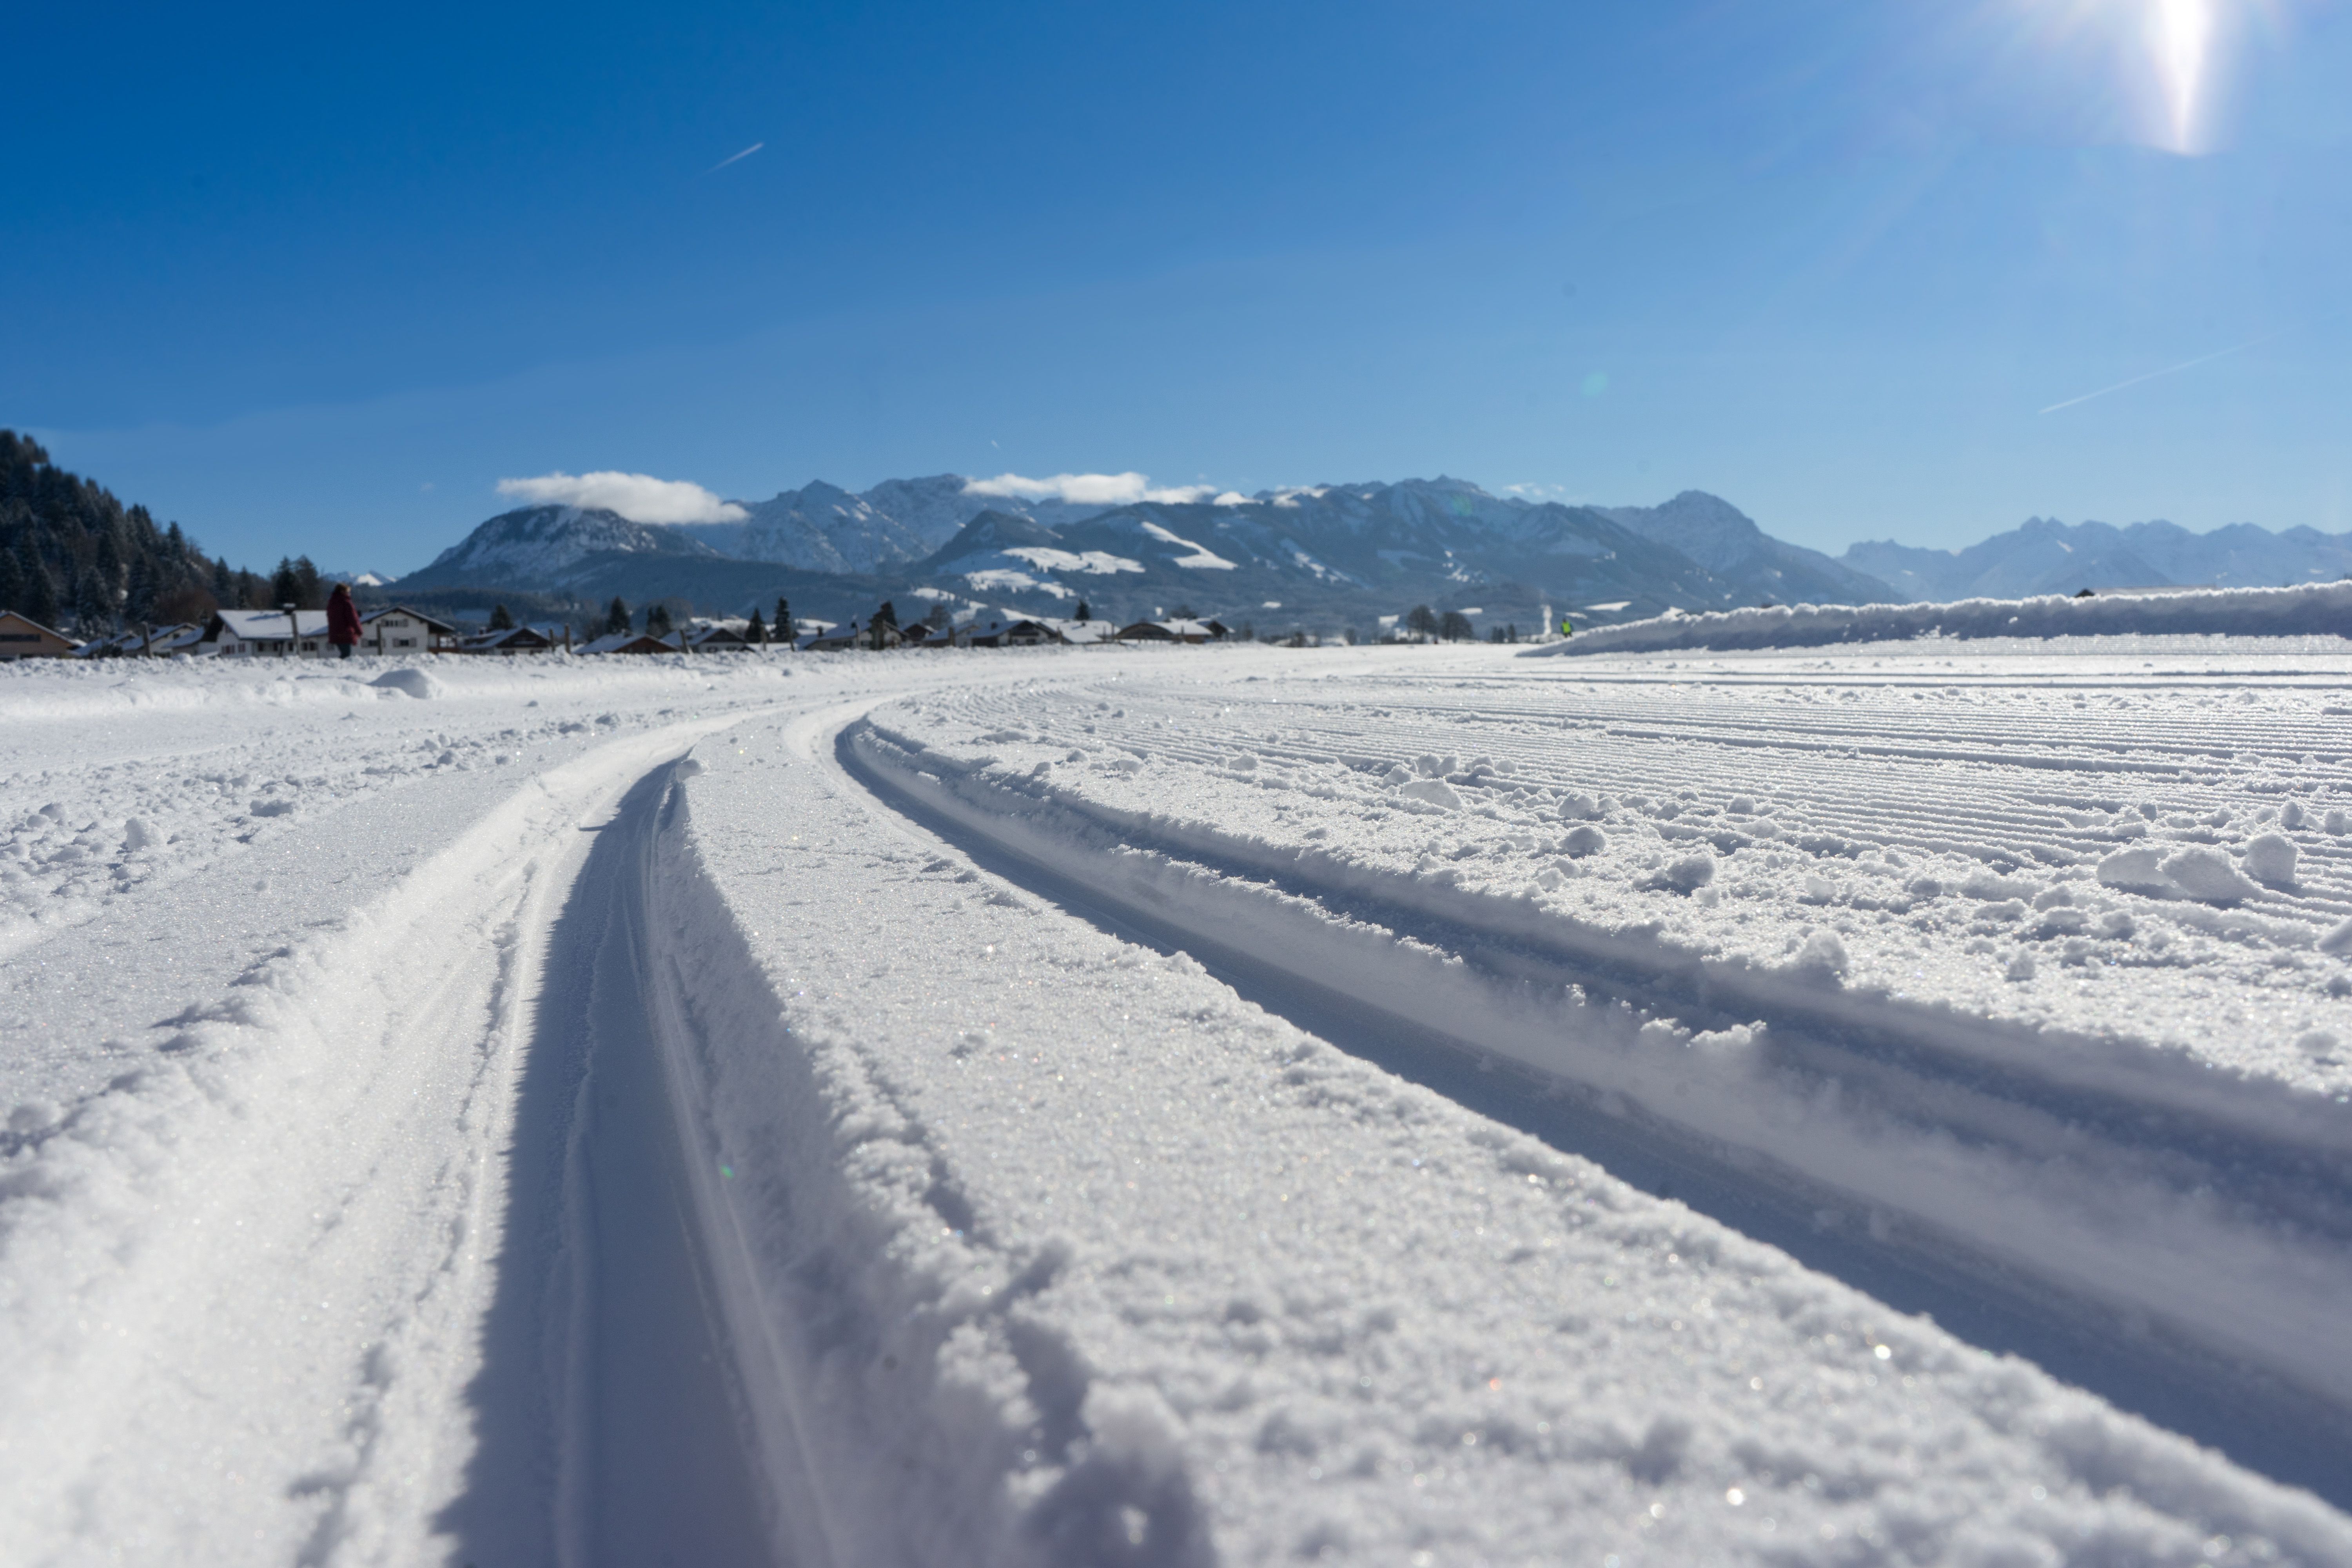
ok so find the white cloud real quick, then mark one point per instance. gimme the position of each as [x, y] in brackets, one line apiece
[1089, 490]
[640, 498]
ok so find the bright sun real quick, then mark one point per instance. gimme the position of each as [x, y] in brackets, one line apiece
[2181, 33]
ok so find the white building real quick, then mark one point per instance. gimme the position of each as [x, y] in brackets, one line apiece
[397, 628]
[274, 634]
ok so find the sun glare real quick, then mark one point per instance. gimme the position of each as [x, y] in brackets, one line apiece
[2181, 33]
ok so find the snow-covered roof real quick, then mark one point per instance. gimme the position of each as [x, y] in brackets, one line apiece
[1178, 627]
[269, 625]
[625, 642]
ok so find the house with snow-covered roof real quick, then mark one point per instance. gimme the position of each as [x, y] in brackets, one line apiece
[515, 640]
[716, 636]
[1088, 634]
[997, 631]
[852, 633]
[267, 634]
[627, 642]
[159, 642]
[1174, 631]
[397, 628]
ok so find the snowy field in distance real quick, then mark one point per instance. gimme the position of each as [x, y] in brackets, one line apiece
[363, 1050]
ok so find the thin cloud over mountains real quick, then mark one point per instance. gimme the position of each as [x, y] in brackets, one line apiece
[640, 498]
[1089, 490]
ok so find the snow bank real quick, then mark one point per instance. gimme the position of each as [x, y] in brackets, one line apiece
[2315, 610]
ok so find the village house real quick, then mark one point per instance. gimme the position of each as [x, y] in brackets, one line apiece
[159, 642]
[270, 634]
[21, 637]
[515, 640]
[716, 637]
[852, 633]
[627, 642]
[1175, 631]
[1088, 634]
[997, 632]
[397, 628]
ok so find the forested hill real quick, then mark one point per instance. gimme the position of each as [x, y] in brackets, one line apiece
[72, 556]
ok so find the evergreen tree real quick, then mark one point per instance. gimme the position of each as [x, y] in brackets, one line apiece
[938, 618]
[1084, 613]
[223, 587]
[785, 628]
[12, 581]
[106, 564]
[285, 587]
[40, 591]
[139, 601]
[93, 602]
[501, 619]
[756, 634]
[657, 622]
[616, 615]
[1422, 622]
[308, 592]
[885, 622]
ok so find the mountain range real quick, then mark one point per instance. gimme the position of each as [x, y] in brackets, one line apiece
[1324, 556]
[1320, 557]
[2045, 557]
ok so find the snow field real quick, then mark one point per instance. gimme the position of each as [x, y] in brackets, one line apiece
[126, 778]
[786, 1154]
[1696, 973]
[1067, 1254]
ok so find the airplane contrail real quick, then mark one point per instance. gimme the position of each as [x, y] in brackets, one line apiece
[2168, 370]
[736, 159]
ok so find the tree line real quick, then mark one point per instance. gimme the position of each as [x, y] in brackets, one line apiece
[74, 557]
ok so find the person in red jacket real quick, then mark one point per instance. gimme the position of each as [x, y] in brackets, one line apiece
[342, 620]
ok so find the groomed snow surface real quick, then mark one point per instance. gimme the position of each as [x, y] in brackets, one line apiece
[1401, 1106]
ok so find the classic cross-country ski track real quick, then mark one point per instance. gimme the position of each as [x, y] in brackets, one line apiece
[1352, 1105]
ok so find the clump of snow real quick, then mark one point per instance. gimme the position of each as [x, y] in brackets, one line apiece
[1822, 955]
[408, 682]
[2271, 856]
[2207, 875]
[1687, 873]
[1434, 792]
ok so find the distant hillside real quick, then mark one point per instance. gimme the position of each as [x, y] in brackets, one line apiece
[2045, 557]
[1721, 538]
[74, 557]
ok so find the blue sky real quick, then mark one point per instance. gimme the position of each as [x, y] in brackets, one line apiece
[315, 280]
